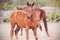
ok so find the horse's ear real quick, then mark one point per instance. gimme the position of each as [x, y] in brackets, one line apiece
[33, 3]
[27, 3]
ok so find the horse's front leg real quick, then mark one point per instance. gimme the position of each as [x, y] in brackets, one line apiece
[27, 33]
[35, 33]
[11, 31]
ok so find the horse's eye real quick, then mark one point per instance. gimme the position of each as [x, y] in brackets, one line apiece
[28, 17]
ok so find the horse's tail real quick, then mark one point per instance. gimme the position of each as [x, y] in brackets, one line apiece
[43, 15]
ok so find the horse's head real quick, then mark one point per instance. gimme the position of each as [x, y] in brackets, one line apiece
[30, 6]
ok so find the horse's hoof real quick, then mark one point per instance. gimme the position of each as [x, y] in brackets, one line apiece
[36, 38]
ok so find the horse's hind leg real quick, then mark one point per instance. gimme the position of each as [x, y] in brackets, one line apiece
[16, 32]
[40, 27]
[35, 33]
[11, 31]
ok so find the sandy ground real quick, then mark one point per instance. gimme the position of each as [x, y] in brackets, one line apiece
[54, 32]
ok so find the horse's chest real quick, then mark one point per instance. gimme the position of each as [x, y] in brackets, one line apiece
[33, 25]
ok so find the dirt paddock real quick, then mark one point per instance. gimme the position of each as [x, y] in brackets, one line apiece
[54, 32]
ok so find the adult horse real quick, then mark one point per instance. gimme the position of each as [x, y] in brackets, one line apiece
[37, 15]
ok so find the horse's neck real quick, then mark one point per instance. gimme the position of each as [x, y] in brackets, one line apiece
[30, 9]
